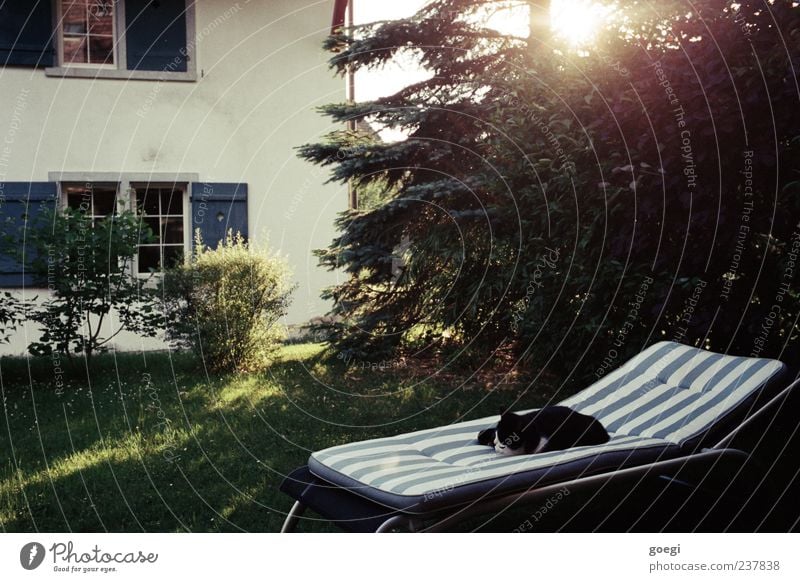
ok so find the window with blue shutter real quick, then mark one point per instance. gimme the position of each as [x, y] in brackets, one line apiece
[217, 208]
[155, 35]
[26, 33]
[20, 205]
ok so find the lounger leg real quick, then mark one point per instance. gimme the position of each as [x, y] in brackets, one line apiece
[393, 522]
[293, 517]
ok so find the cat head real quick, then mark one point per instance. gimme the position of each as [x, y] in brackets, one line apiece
[512, 433]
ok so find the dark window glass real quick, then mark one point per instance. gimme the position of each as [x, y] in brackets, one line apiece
[171, 201]
[173, 230]
[149, 259]
[150, 201]
[173, 255]
[105, 201]
[153, 223]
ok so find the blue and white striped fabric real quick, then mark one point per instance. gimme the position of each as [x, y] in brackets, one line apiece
[657, 402]
[673, 392]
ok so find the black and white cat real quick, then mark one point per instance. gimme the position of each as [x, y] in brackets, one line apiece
[552, 428]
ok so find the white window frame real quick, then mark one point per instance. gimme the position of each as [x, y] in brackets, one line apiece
[63, 200]
[114, 44]
[185, 210]
[119, 70]
[126, 197]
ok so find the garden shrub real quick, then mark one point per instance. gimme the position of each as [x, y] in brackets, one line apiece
[225, 303]
[86, 264]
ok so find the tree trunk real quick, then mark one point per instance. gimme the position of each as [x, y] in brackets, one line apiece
[539, 22]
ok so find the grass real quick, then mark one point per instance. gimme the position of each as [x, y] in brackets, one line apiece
[149, 442]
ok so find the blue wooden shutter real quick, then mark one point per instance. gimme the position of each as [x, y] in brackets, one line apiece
[20, 205]
[217, 208]
[155, 35]
[26, 33]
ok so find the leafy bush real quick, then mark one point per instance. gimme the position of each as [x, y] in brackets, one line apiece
[225, 304]
[86, 264]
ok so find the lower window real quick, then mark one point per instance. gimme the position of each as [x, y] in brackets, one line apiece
[161, 208]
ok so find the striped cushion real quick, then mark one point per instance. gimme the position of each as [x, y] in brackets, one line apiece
[662, 399]
[446, 466]
[673, 392]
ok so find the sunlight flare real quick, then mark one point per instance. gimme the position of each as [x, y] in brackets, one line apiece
[578, 21]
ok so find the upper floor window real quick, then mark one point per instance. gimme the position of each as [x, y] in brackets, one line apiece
[121, 37]
[124, 39]
[87, 32]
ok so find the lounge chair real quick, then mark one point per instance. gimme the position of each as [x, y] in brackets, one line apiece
[671, 411]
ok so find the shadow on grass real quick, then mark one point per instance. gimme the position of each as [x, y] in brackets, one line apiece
[150, 443]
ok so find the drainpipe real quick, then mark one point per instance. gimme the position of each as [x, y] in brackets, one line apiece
[350, 94]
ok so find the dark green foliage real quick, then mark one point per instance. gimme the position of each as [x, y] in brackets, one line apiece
[12, 313]
[577, 207]
[85, 263]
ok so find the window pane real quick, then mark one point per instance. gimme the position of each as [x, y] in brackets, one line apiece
[163, 213]
[173, 255]
[79, 199]
[147, 201]
[75, 49]
[148, 259]
[145, 236]
[153, 223]
[101, 50]
[74, 16]
[171, 201]
[101, 17]
[173, 230]
[105, 200]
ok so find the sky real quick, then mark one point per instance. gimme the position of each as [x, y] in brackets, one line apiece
[373, 84]
[401, 72]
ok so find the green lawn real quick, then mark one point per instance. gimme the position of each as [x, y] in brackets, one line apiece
[147, 442]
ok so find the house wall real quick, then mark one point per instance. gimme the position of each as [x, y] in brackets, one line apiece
[261, 73]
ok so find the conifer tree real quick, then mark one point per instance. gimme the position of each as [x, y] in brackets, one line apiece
[544, 199]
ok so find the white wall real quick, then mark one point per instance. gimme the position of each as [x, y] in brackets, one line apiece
[261, 73]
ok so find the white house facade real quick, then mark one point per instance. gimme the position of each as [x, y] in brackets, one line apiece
[189, 110]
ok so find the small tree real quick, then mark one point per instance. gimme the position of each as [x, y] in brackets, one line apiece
[86, 265]
[225, 303]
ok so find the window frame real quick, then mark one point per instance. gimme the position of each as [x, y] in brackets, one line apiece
[133, 186]
[126, 197]
[58, 12]
[63, 195]
[119, 70]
